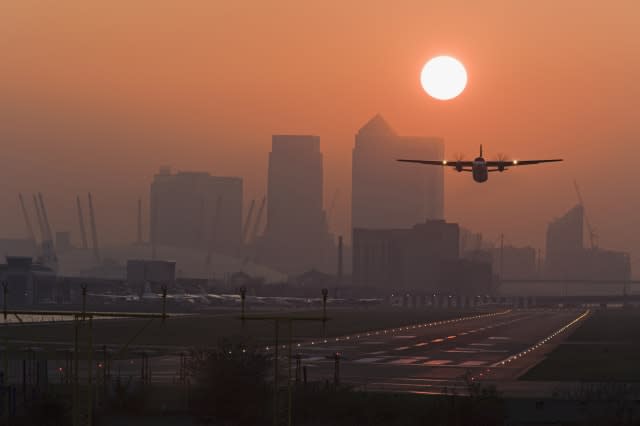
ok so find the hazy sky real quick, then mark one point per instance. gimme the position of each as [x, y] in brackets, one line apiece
[96, 95]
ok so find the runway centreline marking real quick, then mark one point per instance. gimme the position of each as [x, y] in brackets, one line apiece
[320, 342]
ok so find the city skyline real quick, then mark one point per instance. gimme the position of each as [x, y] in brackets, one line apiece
[139, 99]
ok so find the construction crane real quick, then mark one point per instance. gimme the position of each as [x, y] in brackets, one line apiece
[43, 232]
[256, 224]
[215, 220]
[27, 221]
[94, 231]
[593, 237]
[247, 222]
[83, 233]
[48, 247]
[45, 218]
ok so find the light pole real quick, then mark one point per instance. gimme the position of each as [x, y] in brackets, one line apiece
[243, 297]
[5, 291]
[325, 293]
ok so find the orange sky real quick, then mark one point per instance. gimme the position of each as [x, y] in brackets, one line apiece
[96, 95]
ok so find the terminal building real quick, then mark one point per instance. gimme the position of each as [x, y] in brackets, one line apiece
[196, 210]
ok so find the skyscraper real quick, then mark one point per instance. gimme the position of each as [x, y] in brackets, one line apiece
[196, 210]
[387, 194]
[296, 237]
[566, 258]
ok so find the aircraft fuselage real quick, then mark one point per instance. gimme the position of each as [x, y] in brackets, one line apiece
[479, 170]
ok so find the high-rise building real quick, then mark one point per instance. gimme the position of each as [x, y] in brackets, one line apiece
[566, 258]
[515, 263]
[564, 244]
[404, 258]
[388, 194]
[196, 210]
[296, 237]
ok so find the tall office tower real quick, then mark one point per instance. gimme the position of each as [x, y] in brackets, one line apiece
[296, 237]
[196, 210]
[565, 244]
[388, 194]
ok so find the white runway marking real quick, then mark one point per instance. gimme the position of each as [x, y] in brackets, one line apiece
[438, 362]
[472, 363]
[404, 361]
[368, 360]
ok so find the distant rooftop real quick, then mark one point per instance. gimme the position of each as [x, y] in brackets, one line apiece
[377, 126]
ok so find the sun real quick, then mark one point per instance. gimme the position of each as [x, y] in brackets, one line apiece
[443, 77]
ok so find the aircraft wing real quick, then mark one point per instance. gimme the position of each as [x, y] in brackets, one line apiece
[440, 163]
[513, 163]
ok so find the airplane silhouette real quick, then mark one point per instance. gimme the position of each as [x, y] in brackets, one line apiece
[479, 167]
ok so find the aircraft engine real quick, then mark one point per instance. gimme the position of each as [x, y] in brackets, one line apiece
[459, 166]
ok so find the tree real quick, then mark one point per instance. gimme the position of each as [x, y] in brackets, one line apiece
[230, 384]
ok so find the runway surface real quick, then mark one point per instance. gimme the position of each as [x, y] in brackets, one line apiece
[430, 358]
[436, 358]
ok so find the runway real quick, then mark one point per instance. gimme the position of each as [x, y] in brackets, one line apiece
[428, 358]
[436, 358]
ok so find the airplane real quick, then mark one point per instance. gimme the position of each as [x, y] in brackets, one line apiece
[479, 167]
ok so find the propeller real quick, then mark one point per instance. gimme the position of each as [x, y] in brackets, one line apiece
[459, 157]
[502, 159]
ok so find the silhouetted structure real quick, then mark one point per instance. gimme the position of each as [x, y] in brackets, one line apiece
[28, 282]
[387, 194]
[63, 241]
[515, 263]
[405, 258]
[470, 241]
[566, 258]
[296, 237]
[151, 271]
[183, 206]
[16, 247]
